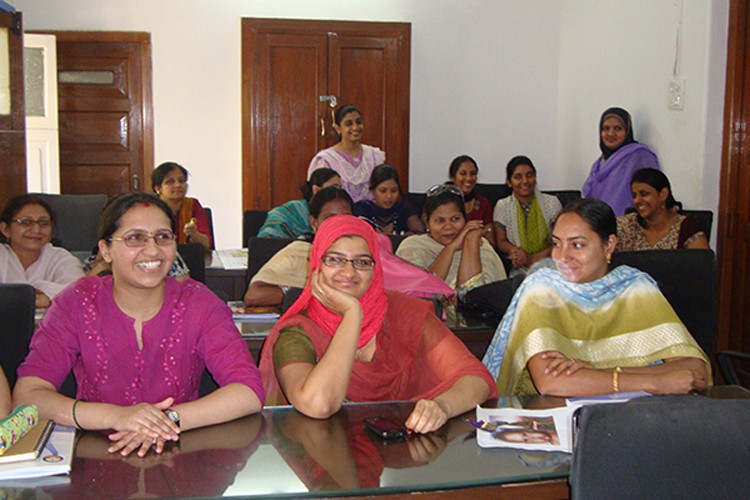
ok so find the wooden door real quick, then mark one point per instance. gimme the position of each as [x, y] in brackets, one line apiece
[12, 111]
[105, 111]
[287, 65]
[734, 209]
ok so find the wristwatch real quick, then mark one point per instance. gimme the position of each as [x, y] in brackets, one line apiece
[173, 416]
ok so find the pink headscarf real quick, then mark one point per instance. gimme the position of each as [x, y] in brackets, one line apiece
[374, 302]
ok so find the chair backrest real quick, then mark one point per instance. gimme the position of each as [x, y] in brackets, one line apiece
[493, 192]
[252, 221]
[565, 196]
[704, 218]
[210, 217]
[194, 256]
[77, 219]
[16, 326]
[663, 447]
[417, 201]
[259, 250]
[688, 280]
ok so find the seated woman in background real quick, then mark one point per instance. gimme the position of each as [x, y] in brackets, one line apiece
[292, 219]
[523, 219]
[170, 183]
[138, 342]
[453, 248]
[26, 254]
[609, 179]
[353, 160]
[346, 338]
[656, 225]
[288, 267]
[385, 212]
[581, 329]
[464, 172]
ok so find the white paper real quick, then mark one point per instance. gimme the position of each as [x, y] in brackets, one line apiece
[538, 430]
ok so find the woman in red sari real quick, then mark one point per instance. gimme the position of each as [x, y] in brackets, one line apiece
[348, 339]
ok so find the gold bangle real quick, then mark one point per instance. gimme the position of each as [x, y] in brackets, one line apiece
[616, 379]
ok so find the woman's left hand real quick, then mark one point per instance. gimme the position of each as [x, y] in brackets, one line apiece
[191, 228]
[41, 301]
[558, 363]
[428, 415]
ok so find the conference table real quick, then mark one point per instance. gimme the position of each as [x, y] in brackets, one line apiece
[280, 452]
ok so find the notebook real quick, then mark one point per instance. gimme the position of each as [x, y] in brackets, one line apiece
[30, 445]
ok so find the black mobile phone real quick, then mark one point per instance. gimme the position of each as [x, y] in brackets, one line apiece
[385, 428]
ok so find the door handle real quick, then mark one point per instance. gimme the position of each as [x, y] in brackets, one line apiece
[136, 182]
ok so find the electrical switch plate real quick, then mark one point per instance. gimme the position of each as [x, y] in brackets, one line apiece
[676, 94]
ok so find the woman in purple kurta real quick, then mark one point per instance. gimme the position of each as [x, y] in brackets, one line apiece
[609, 179]
[138, 342]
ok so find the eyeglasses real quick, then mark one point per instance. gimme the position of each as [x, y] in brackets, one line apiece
[360, 264]
[42, 223]
[140, 239]
[444, 188]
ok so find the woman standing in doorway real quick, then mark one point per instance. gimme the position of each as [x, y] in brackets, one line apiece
[353, 160]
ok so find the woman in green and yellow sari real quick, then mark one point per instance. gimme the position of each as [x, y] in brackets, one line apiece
[581, 329]
[522, 220]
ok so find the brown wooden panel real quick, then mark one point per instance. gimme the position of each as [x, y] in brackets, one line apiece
[91, 179]
[94, 128]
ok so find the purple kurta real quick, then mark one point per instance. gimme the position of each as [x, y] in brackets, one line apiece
[84, 330]
[609, 180]
[354, 172]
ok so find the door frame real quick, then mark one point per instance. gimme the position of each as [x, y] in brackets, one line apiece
[737, 94]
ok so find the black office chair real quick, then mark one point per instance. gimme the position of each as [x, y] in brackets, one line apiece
[663, 447]
[565, 196]
[16, 326]
[734, 367]
[194, 256]
[493, 192]
[259, 250]
[252, 221]
[76, 219]
[210, 217]
[688, 280]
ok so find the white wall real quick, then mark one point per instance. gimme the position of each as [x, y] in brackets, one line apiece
[490, 78]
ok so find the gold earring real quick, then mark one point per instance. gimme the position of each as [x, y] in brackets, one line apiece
[609, 259]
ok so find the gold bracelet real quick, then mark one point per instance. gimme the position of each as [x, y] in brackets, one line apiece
[616, 379]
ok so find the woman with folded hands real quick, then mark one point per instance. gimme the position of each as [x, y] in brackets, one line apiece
[138, 342]
[347, 339]
[582, 329]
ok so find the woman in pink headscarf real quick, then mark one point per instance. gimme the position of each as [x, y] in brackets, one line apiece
[348, 339]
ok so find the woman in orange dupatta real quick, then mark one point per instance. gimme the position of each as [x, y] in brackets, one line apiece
[348, 339]
[191, 222]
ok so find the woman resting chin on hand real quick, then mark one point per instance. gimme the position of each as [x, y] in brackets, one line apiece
[347, 339]
[138, 341]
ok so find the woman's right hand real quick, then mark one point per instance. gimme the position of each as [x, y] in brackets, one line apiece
[335, 301]
[518, 257]
[146, 419]
[681, 382]
[475, 228]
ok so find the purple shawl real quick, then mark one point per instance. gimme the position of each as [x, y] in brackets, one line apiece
[609, 180]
